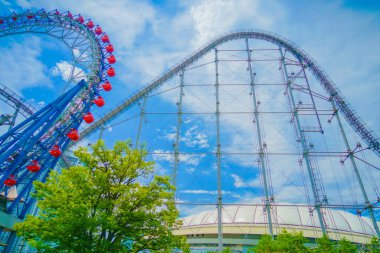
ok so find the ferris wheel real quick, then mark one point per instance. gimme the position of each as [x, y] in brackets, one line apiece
[33, 147]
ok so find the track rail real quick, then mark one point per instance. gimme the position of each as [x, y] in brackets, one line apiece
[329, 86]
[16, 101]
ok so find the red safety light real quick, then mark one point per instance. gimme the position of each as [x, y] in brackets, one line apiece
[109, 48]
[30, 16]
[73, 134]
[90, 24]
[105, 38]
[1, 21]
[10, 181]
[111, 72]
[98, 30]
[69, 15]
[89, 118]
[34, 166]
[14, 18]
[80, 19]
[107, 86]
[99, 101]
[111, 59]
[55, 151]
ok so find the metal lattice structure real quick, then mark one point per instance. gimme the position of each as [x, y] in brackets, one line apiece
[34, 140]
[311, 102]
[18, 104]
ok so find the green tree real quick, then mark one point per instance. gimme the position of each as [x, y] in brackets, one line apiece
[345, 246]
[102, 206]
[374, 245]
[265, 245]
[324, 245]
[284, 242]
[291, 242]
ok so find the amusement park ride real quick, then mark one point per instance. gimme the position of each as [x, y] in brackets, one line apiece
[30, 149]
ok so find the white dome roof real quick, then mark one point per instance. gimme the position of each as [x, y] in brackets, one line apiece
[285, 215]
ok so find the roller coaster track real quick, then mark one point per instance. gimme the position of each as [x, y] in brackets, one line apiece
[15, 101]
[329, 86]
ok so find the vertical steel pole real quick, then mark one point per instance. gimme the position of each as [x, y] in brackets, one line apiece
[356, 171]
[101, 132]
[14, 117]
[217, 113]
[261, 148]
[305, 150]
[142, 116]
[178, 131]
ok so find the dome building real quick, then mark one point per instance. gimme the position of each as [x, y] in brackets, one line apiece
[243, 225]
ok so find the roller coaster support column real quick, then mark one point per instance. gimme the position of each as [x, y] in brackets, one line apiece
[142, 116]
[305, 150]
[217, 113]
[178, 130]
[261, 151]
[356, 171]
[14, 117]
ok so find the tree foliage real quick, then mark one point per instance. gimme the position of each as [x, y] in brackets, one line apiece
[102, 206]
[295, 243]
[284, 242]
[374, 245]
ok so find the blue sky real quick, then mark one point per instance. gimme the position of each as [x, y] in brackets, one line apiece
[151, 36]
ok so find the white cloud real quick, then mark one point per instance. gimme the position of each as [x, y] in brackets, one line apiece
[239, 182]
[213, 18]
[190, 170]
[166, 155]
[162, 155]
[21, 65]
[191, 159]
[194, 138]
[68, 72]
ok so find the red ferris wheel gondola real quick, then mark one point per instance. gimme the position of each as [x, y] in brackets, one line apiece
[111, 59]
[10, 181]
[107, 86]
[98, 30]
[109, 48]
[80, 19]
[105, 38]
[73, 134]
[111, 72]
[89, 118]
[99, 101]
[55, 151]
[34, 166]
[90, 24]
